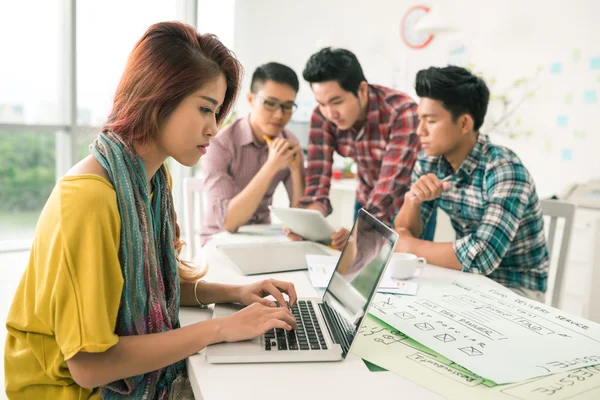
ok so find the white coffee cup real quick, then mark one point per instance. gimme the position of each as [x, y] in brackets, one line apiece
[404, 265]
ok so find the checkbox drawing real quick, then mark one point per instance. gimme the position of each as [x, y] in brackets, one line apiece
[444, 337]
[471, 351]
[384, 305]
[404, 315]
[424, 326]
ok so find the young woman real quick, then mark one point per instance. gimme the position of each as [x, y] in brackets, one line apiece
[96, 313]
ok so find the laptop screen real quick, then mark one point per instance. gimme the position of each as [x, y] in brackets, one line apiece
[359, 269]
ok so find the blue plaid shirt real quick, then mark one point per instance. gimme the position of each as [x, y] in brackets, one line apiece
[496, 213]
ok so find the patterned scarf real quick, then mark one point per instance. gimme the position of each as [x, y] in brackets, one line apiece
[150, 297]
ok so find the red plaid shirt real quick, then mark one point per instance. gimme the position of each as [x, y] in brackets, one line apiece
[385, 152]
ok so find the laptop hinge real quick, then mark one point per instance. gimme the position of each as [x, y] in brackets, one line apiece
[330, 322]
[335, 330]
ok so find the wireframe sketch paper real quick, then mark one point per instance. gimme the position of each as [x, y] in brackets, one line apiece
[388, 348]
[495, 334]
[320, 269]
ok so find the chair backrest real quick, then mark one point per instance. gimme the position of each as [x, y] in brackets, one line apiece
[191, 186]
[556, 210]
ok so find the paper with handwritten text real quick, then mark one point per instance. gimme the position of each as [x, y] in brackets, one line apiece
[495, 334]
[388, 348]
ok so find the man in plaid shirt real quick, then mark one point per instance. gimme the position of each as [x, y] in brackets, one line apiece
[484, 188]
[372, 124]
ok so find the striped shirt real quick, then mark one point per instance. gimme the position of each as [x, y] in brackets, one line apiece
[385, 152]
[496, 214]
[233, 158]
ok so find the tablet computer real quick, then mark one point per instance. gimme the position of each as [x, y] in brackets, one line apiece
[310, 224]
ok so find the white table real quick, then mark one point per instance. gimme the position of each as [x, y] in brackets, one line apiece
[348, 379]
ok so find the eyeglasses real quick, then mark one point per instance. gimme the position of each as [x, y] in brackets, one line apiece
[270, 105]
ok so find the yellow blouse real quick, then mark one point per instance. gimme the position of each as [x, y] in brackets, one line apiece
[68, 298]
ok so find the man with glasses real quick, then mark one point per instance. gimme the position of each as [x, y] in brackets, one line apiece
[246, 161]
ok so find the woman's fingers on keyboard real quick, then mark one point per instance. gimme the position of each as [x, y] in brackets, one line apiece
[271, 289]
[279, 318]
[276, 323]
[288, 288]
[283, 314]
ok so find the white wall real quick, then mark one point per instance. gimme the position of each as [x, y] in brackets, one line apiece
[504, 40]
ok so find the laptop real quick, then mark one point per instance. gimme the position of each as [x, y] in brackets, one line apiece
[263, 258]
[327, 326]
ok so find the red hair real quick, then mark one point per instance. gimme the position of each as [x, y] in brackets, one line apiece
[170, 62]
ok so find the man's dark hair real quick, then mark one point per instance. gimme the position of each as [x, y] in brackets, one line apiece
[458, 89]
[274, 72]
[335, 65]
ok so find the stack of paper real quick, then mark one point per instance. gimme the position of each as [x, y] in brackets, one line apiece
[386, 347]
[478, 337]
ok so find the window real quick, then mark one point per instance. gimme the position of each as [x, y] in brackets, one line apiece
[27, 177]
[29, 72]
[106, 33]
[36, 145]
[85, 137]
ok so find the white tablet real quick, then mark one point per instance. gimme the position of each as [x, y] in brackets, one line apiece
[310, 224]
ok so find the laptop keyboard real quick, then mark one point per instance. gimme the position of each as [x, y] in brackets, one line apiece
[308, 336]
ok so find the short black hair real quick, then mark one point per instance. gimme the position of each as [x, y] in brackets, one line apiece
[339, 65]
[458, 89]
[274, 72]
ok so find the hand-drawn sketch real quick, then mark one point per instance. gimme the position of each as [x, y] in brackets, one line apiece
[404, 315]
[384, 305]
[395, 337]
[424, 326]
[471, 351]
[444, 337]
[429, 369]
[498, 335]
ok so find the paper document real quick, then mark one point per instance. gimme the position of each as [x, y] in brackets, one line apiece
[320, 269]
[496, 334]
[388, 348]
[391, 285]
